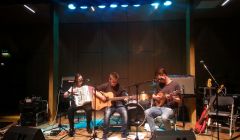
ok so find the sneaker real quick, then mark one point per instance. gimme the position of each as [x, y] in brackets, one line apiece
[71, 133]
[89, 130]
[104, 137]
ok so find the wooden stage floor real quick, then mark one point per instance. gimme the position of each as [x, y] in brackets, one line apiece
[81, 134]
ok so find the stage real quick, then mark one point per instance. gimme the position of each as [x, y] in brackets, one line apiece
[115, 133]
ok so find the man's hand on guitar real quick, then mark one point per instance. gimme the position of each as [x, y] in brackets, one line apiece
[101, 96]
[125, 99]
[168, 96]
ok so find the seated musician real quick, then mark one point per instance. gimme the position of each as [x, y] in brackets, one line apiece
[166, 100]
[117, 106]
[87, 107]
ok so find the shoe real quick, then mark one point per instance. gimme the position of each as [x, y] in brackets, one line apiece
[89, 130]
[104, 137]
[152, 137]
[71, 133]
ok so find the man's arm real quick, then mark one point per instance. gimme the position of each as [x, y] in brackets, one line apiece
[100, 92]
[101, 96]
[158, 96]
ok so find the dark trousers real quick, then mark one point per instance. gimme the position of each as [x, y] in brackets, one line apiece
[72, 109]
[107, 114]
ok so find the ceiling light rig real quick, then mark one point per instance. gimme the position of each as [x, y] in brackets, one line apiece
[93, 8]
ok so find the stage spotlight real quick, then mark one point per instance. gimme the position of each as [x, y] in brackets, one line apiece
[225, 2]
[167, 3]
[71, 6]
[92, 8]
[124, 5]
[113, 6]
[29, 8]
[136, 5]
[101, 6]
[83, 7]
[155, 5]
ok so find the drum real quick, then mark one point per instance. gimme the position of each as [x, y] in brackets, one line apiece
[144, 96]
[136, 114]
[145, 99]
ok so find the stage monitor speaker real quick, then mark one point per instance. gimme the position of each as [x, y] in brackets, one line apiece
[185, 81]
[23, 133]
[174, 135]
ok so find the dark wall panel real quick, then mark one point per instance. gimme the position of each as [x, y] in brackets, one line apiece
[25, 72]
[133, 49]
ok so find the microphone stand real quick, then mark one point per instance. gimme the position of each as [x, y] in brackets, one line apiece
[94, 133]
[202, 62]
[137, 121]
[60, 126]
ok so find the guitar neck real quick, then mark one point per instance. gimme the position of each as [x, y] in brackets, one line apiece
[118, 98]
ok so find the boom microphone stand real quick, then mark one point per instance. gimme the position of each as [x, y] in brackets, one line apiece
[202, 62]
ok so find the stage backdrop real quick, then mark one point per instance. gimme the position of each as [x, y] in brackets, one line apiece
[133, 49]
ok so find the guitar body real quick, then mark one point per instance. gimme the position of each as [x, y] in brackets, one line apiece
[101, 104]
[202, 122]
[162, 99]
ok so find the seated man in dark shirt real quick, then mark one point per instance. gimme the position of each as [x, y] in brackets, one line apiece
[166, 100]
[117, 106]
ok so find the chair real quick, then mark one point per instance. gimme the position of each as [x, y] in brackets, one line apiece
[225, 110]
[81, 115]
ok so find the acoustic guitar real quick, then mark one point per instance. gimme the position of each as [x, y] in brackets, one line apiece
[163, 98]
[110, 96]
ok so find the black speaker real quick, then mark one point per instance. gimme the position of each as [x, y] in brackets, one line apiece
[174, 135]
[23, 133]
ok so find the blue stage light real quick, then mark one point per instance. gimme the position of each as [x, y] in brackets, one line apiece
[83, 7]
[136, 5]
[71, 6]
[101, 6]
[155, 5]
[167, 3]
[124, 5]
[113, 5]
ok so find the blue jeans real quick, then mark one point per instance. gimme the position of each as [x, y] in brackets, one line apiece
[107, 114]
[153, 112]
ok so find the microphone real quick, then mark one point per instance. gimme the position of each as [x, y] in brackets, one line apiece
[87, 80]
[202, 62]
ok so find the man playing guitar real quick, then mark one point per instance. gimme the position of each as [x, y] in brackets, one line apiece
[166, 100]
[116, 106]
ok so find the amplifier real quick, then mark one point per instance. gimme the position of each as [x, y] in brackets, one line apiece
[33, 112]
[185, 81]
